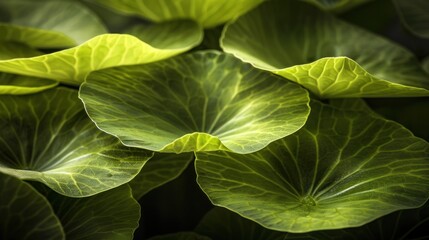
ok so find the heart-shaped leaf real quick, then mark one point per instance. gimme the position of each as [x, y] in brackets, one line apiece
[203, 101]
[162, 168]
[71, 66]
[342, 169]
[48, 137]
[321, 53]
[25, 213]
[208, 13]
[48, 24]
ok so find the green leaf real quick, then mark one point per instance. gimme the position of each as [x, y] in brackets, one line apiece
[414, 15]
[115, 22]
[18, 84]
[48, 137]
[207, 13]
[181, 236]
[331, 58]
[25, 213]
[162, 168]
[71, 66]
[48, 24]
[221, 224]
[203, 101]
[342, 169]
[111, 215]
[9, 50]
[337, 5]
[168, 35]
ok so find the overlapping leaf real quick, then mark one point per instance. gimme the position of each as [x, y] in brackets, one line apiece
[406, 224]
[25, 213]
[111, 215]
[72, 65]
[322, 54]
[203, 101]
[414, 15]
[161, 169]
[48, 137]
[19, 84]
[342, 169]
[221, 224]
[208, 13]
[48, 24]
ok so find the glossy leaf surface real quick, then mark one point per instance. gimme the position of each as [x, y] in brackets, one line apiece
[48, 24]
[72, 65]
[342, 169]
[203, 101]
[321, 53]
[25, 213]
[208, 13]
[48, 137]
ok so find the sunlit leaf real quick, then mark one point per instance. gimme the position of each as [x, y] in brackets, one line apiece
[221, 224]
[161, 169]
[208, 13]
[108, 50]
[25, 213]
[342, 169]
[19, 84]
[203, 101]
[48, 137]
[48, 24]
[322, 54]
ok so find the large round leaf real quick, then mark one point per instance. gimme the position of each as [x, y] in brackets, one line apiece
[342, 169]
[48, 24]
[329, 57]
[202, 101]
[221, 224]
[111, 215]
[208, 13]
[47, 137]
[18, 84]
[108, 50]
[25, 213]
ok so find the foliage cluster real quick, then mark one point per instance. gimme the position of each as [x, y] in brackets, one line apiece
[299, 119]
